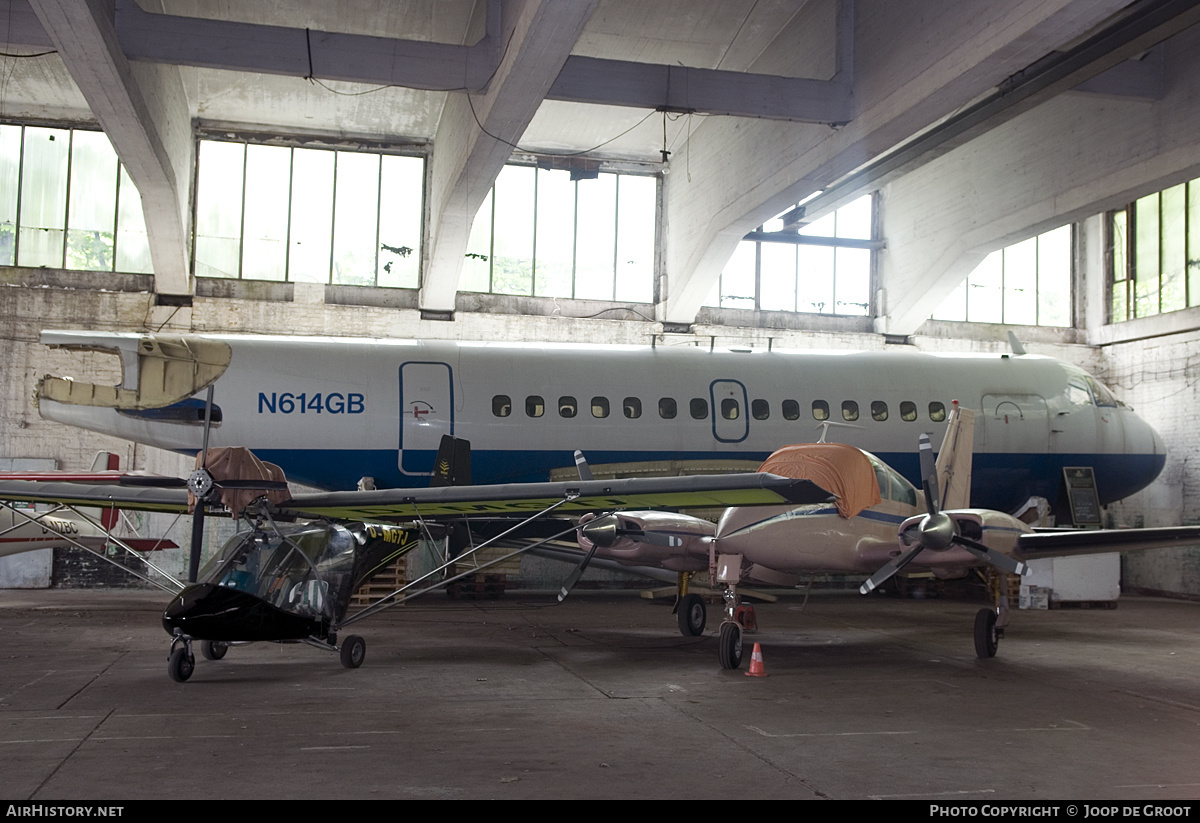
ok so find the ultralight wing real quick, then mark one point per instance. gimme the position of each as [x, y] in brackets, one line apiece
[697, 491]
[138, 498]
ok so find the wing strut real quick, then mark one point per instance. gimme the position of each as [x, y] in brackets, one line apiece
[403, 594]
[35, 518]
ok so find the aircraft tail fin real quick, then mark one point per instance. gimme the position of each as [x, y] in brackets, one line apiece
[452, 466]
[954, 458]
[106, 462]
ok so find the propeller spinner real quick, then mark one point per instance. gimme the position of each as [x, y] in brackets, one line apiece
[936, 531]
[604, 531]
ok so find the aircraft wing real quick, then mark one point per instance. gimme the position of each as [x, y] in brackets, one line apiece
[137, 498]
[697, 491]
[1068, 542]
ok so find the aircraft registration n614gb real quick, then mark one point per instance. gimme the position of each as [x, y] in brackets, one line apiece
[332, 410]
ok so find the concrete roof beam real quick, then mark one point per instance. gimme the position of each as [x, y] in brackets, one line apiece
[145, 114]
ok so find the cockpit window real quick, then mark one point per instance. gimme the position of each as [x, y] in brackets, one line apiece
[1101, 394]
[298, 569]
[891, 485]
[1083, 389]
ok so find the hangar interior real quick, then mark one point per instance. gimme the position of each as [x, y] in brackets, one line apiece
[847, 174]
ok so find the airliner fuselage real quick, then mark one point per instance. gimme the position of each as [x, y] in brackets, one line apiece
[330, 411]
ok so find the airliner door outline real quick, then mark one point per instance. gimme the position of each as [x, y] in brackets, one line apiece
[729, 408]
[426, 413]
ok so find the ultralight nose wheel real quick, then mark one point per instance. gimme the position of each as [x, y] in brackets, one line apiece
[180, 664]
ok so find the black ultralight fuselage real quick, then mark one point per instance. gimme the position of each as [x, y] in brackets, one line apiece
[289, 582]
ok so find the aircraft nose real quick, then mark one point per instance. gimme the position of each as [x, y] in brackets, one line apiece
[1160, 446]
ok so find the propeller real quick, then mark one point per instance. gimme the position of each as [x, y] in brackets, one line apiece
[936, 531]
[204, 487]
[604, 531]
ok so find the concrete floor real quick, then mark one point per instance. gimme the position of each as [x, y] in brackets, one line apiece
[602, 698]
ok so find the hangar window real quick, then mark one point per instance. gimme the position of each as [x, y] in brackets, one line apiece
[633, 407]
[908, 411]
[791, 410]
[820, 410]
[559, 233]
[1154, 253]
[66, 202]
[879, 411]
[307, 215]
[501, 405]
[667, 409]
[698, 408]
[937, 412]
[821, 267]
[849, 410]
[760, 409]
[567, 406]
[534, 406]
[1028, 284]
[600, 407]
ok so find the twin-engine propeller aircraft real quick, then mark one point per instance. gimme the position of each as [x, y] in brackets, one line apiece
[875, 523]
[289, 574]
[330, 411]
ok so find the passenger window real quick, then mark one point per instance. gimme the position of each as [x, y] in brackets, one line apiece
[666, 408]
[600, 407]
[534, 406]
[699, 408]
[761, 409]
[908, 411]
[849, 410]
[791, 410]
[567, 406]
[633, 407]
[879, 411]
[501, 405]
[820, 410]
[729, 409]
[937, 412]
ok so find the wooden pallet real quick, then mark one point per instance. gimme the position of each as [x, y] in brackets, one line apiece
[382, 584]
[490, 582]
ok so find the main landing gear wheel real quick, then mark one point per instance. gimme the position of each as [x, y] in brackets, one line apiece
[729, 646]
[692, 615]
[354, 651]
[987, 638]
[213, 649]
[180, 664]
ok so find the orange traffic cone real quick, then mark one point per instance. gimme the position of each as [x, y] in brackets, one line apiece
[756, 663]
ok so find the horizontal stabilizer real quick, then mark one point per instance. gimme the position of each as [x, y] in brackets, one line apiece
[157, 371]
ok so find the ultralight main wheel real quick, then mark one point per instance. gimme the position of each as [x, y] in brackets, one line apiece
[213, 649]
[354, 651]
